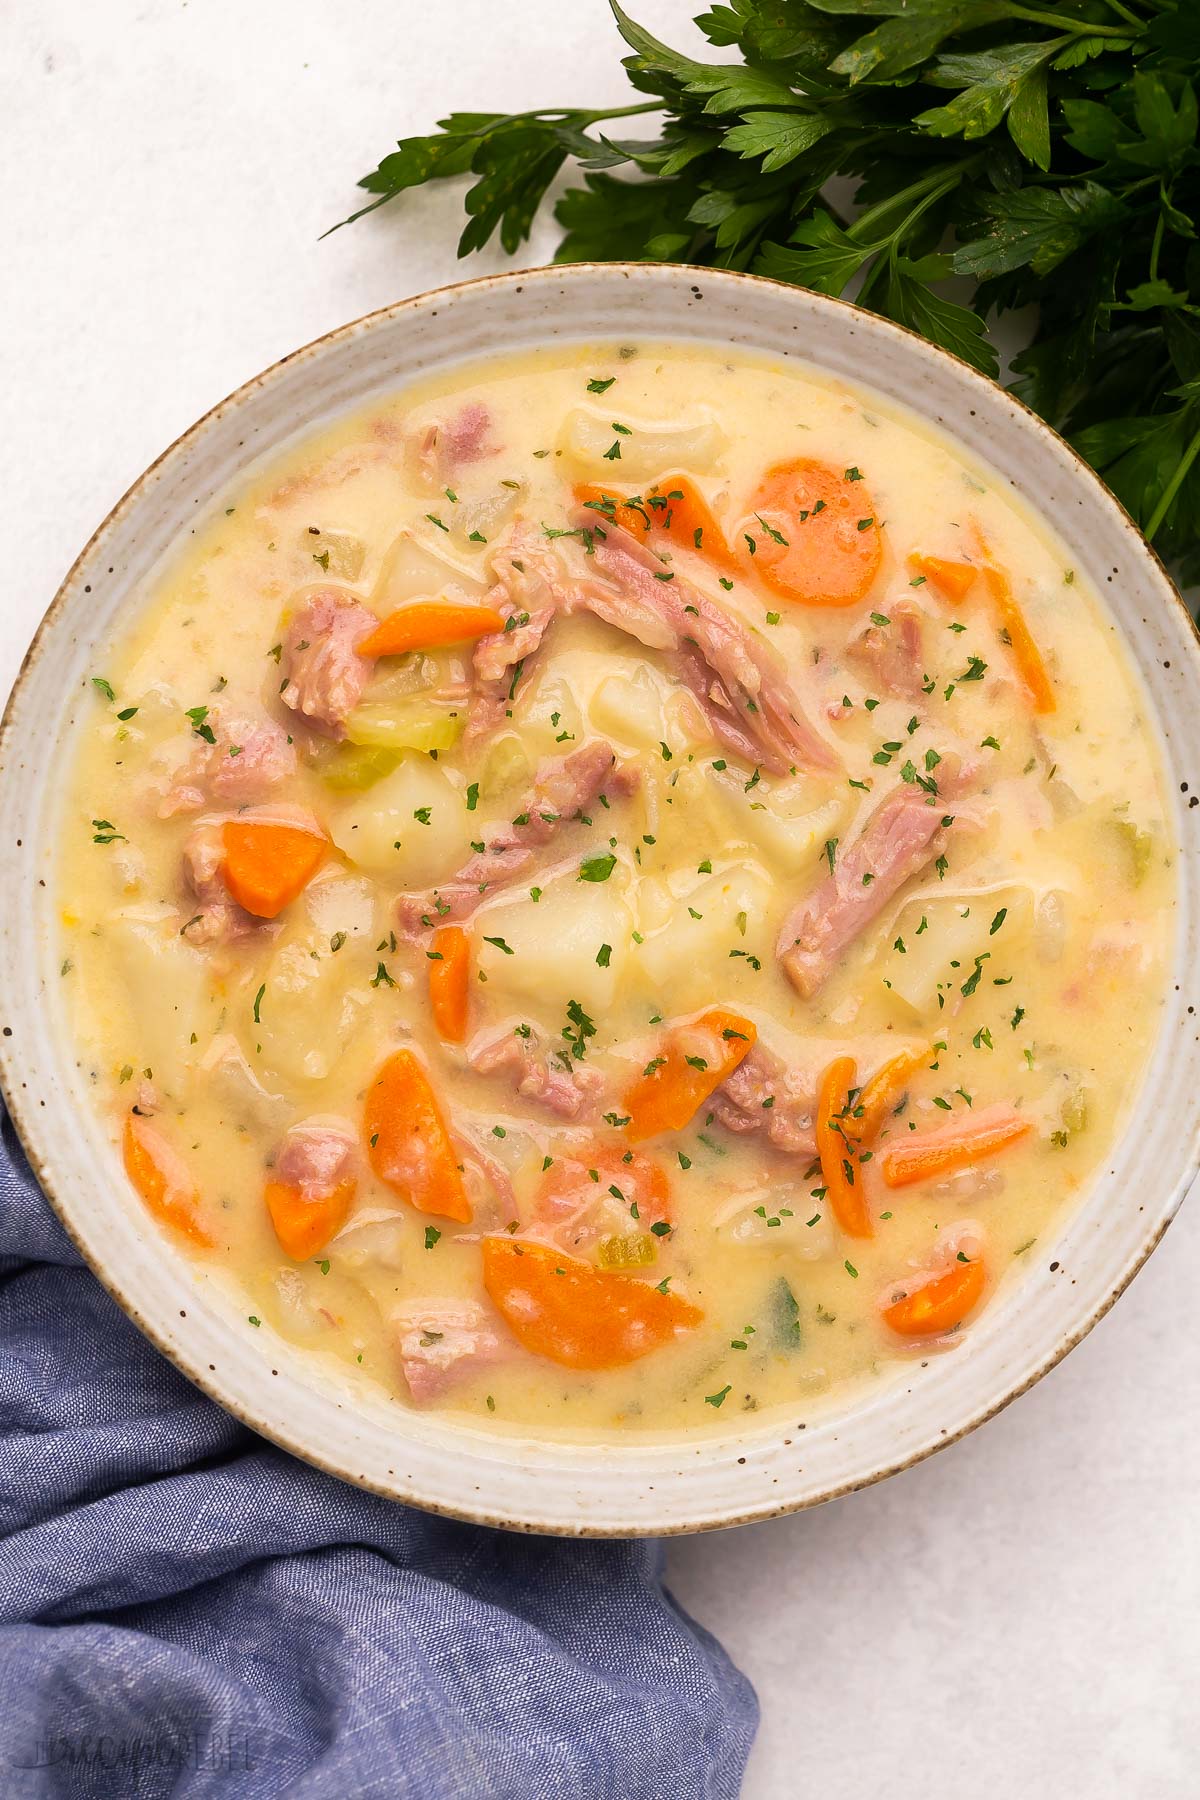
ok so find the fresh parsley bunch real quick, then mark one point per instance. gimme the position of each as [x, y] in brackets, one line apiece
[1048, 151]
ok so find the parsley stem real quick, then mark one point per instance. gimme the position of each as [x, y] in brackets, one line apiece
[1173, 486]
[1077, 28]
[930, 188]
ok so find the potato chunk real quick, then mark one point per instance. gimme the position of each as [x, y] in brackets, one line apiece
[167, 982]
[556, 946]
[412, 826]
[690, 935]
[587, 437]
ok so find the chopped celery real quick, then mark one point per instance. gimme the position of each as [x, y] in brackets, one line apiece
[1075, 1111]
[409, 727]
[355, 766]
[1138, 847]
[626, 1252]
[784, 1314]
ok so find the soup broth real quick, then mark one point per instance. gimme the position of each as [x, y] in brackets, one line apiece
[616, 889]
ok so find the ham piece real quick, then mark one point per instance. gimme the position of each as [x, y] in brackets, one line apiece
[562, 786]
[324, 674]
[906, 830]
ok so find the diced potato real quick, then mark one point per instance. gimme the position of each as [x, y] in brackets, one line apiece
[688, 936]
[229, 1079]
[342, 904]
[340, 553]
[630, 709]
[307, 1011]
[413, 825]
[554, 944]
[549, 715]
[788, 821]
[944, 953]
[167, 981]
[475, 523]
[587, 437]
[413, 571]
[404, 725]
[506, 763]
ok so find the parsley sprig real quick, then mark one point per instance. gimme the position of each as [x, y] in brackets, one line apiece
[1047, 151]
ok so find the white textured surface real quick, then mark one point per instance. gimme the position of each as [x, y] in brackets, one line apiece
[1018, 1616]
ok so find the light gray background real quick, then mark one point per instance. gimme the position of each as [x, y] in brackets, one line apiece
[1017, 1616]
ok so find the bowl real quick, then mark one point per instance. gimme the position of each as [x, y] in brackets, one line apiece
[194, 1315]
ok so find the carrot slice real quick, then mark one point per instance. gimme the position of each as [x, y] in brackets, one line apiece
[449, 979]
[408, 1143]
[696, 1057]
[425, 624]
[267, 866]
[940, 1304]
[816, 540]
[881, 1095]
[957, 1147]
[570, 1183]
[162, 1179]
[565, 1310]
[952, 580]
[835, 1133]
[1025, 652]
[673, 507]
[305, 1225]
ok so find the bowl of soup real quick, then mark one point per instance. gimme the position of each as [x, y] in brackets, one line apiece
[601, 928]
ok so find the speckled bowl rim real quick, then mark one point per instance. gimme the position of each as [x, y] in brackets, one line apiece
[23, 1116]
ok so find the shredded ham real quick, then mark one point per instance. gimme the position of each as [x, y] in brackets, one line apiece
[324, 674]
[890, 655]
[317, 1155]
[738, 680]
[443, 447]
[562, 786]
[763, 1094]
[442, 1341]
[902, 835]
[554, 1080]
[248, 761]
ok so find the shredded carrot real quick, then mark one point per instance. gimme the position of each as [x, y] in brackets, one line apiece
[952, 580]
[304, 1224]
[162, 1179]
[561, 1308]
[696, 1057]
[268, 866]
[408, 1143]
[840, 1171]
[449, 981]
[1025, 652]
[673, 507]
[940, 1304]
[425, 624]
[815, 535]
[932, 1153]
[881, 1095]
[569, 1184]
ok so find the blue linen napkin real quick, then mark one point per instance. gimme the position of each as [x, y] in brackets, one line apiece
[186, 1610]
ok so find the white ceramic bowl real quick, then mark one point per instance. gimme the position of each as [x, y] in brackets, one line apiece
[661, 1485]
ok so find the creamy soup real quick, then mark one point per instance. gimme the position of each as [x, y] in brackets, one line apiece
[616, 889]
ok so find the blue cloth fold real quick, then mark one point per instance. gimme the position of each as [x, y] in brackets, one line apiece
[186, 1610]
